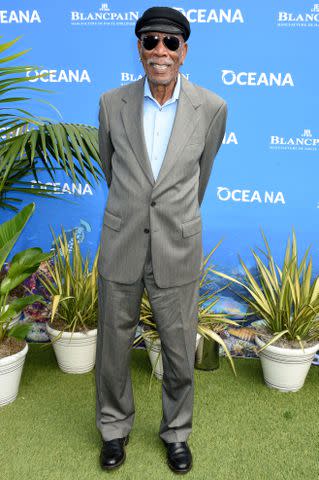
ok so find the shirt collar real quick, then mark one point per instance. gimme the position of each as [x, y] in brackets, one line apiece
[174, 97]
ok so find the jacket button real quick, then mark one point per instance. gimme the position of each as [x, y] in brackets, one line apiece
[146, 230]
[153, 203]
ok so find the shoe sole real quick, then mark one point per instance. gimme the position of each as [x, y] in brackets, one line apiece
[116, 465]
[180, 471]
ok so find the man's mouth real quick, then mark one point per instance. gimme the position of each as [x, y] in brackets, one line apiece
[159, 66]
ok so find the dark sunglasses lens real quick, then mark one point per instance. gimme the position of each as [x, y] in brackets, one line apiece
[172, 43]
[150, 42]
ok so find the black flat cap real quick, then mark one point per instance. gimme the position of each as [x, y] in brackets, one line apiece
[163, 19]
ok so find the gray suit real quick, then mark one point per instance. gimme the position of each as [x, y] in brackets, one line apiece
[152, 238]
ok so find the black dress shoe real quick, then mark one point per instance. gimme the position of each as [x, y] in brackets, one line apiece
[179, 457]
[113, 453]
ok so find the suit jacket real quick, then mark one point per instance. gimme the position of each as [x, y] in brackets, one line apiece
[167, 209]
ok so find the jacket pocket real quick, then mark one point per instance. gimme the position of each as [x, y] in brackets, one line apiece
[112, 220]
[192, 226]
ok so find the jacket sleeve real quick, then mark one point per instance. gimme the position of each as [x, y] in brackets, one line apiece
[214, 138]
[105, 144]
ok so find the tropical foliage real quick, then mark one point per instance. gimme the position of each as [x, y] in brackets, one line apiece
[287, 298]
[72, 286]
[30, 143]
[22, 265]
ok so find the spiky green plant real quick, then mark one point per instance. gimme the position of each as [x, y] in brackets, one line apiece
[286, 299]
[73, 287]
[29, 143]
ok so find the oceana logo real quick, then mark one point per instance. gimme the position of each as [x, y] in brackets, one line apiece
[230, 137]
[203, 15]
[19, 16]
[57, 76]
[225, 194]
[254, 79]
[63, 188]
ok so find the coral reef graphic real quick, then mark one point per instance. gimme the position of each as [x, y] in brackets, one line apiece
[80, 232]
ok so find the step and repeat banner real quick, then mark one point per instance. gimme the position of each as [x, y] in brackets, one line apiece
[259, 56]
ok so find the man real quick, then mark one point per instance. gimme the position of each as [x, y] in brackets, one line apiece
[158, 138]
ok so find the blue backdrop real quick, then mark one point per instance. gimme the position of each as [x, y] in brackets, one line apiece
[259, 56]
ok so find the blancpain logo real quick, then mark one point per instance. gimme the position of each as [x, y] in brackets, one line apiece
[226, 194]
[104, 16]
[203, 15]
[57, 76]
[299, 20]
[19, 16]
[127, 77]
[230, 138]
[305, 141]
[62, 188]
[254, 79]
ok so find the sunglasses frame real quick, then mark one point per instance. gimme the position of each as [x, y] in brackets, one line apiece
[158, 38]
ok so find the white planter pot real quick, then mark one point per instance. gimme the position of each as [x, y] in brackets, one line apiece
[153, 348]
[76, 354]
[285, 368]
[198, 337]
[10, 374]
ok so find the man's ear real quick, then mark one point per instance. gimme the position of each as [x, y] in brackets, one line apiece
[184, 52]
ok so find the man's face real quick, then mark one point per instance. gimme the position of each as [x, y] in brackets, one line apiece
[161, 65]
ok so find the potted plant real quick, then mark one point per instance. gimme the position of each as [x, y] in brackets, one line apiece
[13, 347]
[286, 301]
[210, 323]
[72, 328]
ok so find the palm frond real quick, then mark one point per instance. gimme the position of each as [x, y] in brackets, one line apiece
[33, 143]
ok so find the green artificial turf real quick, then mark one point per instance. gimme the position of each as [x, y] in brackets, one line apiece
[241, 429]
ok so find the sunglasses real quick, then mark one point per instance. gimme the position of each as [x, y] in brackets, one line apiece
[150, 41]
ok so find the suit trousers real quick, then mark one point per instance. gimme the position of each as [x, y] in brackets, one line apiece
[175, 310]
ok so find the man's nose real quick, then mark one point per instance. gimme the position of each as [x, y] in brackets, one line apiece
[160, 48]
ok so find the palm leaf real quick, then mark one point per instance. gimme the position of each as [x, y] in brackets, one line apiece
[40, 144]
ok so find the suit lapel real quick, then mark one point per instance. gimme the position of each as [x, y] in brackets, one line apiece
[132, 115]
[184, 124]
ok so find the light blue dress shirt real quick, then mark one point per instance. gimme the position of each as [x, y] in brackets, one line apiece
[158, 123]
